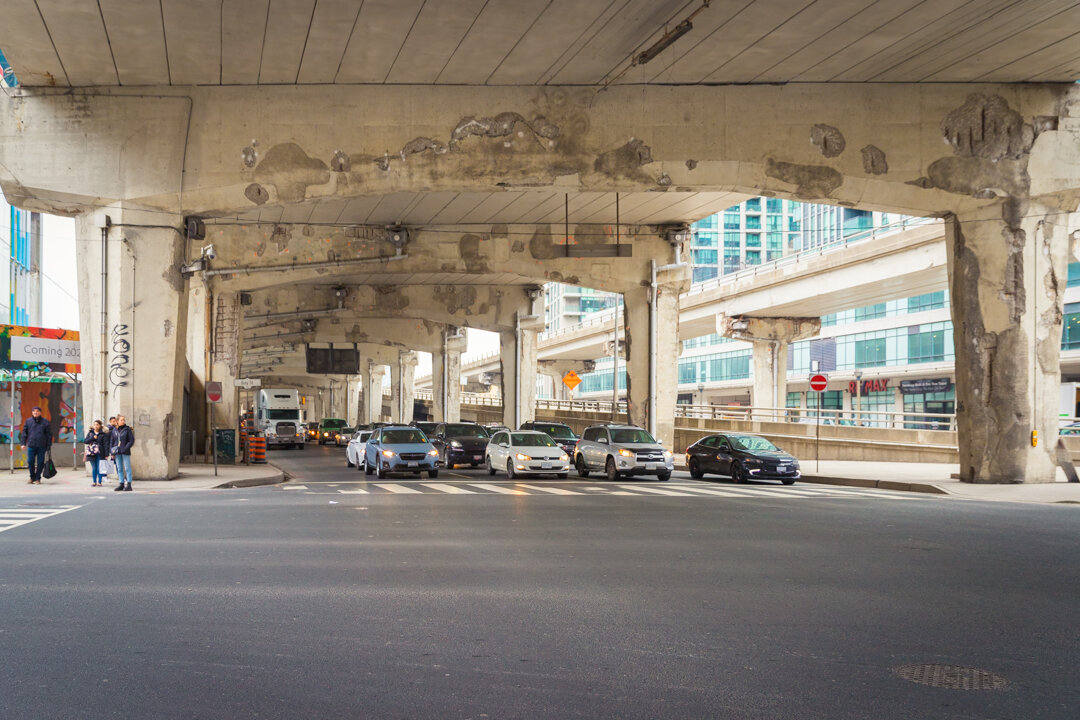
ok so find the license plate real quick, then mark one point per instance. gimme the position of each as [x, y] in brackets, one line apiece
[545, 466]
[477, 457]
[650, 466]
[413, 463]
[782, 468]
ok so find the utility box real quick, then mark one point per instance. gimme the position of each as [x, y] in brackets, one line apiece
[225, 439]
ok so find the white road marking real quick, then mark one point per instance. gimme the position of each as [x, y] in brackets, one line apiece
[294, 487]
[358, 491]
[451, 489]
[18, 517]
[551, 490]
[710, 491]
[499, 489]
[400, 489]
[658, 491]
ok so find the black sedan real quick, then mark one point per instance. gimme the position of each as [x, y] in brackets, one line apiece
[743, 457]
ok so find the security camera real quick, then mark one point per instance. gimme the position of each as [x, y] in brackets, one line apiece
[208, 252]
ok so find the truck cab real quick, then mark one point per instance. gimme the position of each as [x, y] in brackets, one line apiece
[277, 415]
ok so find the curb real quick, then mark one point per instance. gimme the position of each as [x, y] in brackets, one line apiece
[270, 479]
[878, 484]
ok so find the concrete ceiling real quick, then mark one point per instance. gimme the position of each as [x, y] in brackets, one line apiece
[511, 207]
[552, 42]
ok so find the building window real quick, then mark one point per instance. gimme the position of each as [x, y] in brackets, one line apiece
[1070, 332]
[753, 222]
[732, 220]
[870, 312]
[774, 205]
[870, 352]
[926, 347]
[937, 403]
[703, 257]
[701, 274]
[882, 402]
[753, 205]
[753, 257]
[930, 301]
[753, 240]
[733, 240]
[704, 239]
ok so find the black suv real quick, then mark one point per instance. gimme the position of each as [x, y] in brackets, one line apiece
[461, 443]
[561, 433]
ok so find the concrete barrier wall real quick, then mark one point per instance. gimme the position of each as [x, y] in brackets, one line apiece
[836, 443]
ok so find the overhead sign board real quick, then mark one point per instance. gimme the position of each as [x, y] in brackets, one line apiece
[818, 382]
[925, 385]
[213, 392]
[40, 349]
[571, 380]
[248, 383]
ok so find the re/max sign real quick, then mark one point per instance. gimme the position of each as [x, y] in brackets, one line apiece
[869, 386]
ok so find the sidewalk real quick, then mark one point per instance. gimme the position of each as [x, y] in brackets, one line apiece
[192, 477]
[934, 478]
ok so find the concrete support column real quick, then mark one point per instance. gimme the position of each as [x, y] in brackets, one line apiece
[664, 367]
[408, 364]
[133, 309]
[771, 338]
[373, 392]
[446, 378]
[1007, 276]
[395, 392]
[517, 356]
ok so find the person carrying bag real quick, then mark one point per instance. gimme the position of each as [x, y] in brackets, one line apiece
[96, 453]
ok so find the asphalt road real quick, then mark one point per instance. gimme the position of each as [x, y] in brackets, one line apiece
[335, 596]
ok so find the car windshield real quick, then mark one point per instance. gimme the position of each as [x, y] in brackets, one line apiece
[403, 436]
[631, 435]
[465, 430]
[531, 440]
[333, 424]
[347, 431]
[363, 436]
[283, 414]
[556, 431]
[427, 427]
[753, 444]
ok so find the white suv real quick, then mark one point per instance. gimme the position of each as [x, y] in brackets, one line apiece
[620, 450]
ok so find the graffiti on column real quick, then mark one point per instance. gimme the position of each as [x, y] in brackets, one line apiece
[121, 347]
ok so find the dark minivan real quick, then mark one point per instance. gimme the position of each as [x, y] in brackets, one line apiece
[460, 444]
[561, 433]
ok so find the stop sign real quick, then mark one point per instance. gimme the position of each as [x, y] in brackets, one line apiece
[818, 382]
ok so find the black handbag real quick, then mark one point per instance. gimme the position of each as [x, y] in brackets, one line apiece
[49, 470]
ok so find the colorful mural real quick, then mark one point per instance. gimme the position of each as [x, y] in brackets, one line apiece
[31, 349]
[57, 403]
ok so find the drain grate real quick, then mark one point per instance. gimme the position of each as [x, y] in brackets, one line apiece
[952, 677]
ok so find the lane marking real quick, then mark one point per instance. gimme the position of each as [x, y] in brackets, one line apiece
[358, 491]
[294, 487]
[41, 514]
[657, 491]
[710, 491]
[399, 489]
[459, 475]
[499, 489]
[551, 490]
[450, 489]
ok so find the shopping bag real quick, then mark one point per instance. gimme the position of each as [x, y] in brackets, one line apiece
[50, 469]
[105, 467]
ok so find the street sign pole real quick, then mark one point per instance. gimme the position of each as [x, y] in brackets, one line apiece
[213, 394]
[818, 383]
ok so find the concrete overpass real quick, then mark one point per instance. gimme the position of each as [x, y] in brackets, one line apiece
[389, 149]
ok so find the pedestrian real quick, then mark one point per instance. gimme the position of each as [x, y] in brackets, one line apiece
[97, 448]
[123, 437]
[36, 441]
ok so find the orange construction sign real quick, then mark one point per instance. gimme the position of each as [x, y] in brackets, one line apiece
[571, 380]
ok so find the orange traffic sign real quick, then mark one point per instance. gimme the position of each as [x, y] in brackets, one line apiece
[571, 380]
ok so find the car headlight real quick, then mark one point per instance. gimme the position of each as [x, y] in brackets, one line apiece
[433, 452]
[520, 456]
[455, 443]
[752, 461]
[564, 457]
[626, 453]
[388, 453]
[667, 453]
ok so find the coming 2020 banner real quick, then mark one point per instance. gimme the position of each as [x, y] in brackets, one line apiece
[31, 349]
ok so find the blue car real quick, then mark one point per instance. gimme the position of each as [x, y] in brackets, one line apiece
[400, 449]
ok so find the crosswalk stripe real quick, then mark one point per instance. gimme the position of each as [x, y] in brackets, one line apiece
[358, 491]
[499, 489]
[400, 489]
[294, 487]
[710, 491]
[450, 489]
[551, 490]
[20, 516]
[657, 491]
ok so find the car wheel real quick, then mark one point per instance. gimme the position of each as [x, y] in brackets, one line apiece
[738, 475]
[348, 460]
[433, 474]
[379, 473]
[612, 471]
[510, 469]
[301, 446]
[695, 469]
[490, 469]
[582, 471]
[367, 468]
[663, 477]
[788, 481]
[562, 476]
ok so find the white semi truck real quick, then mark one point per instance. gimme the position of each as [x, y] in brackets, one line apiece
[278, 414]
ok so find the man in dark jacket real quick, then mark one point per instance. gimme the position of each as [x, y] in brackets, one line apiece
[122, 439]
[36, 441]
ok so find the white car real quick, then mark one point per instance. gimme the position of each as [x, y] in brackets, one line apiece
[526, 452]
[354, 451]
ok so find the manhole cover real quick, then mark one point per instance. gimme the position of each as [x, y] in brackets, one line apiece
[952, 677]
